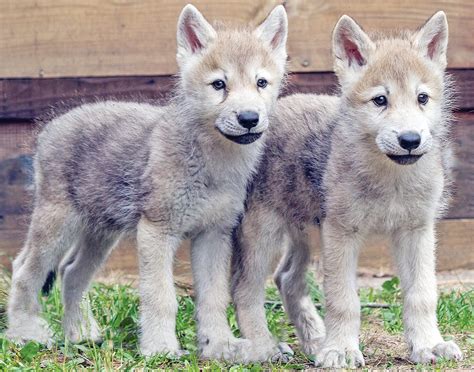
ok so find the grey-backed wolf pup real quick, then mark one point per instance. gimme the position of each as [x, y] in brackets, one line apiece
[375, 160]
[163, 173]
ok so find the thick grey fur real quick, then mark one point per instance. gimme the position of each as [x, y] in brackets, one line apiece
[160, 173]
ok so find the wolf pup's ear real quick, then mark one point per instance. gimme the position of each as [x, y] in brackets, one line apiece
[274, 32]
[432, 39]
[194, 32]
[351, 46]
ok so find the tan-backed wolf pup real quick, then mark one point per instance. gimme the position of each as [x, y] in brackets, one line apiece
[374, 160]
[164, 173]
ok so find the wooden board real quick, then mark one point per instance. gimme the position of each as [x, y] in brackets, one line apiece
[455, 251]
[463, 198]
[30, 98]
[60, 38]
[17, 145]
[456, 234]
[102, 38]
[312, 21]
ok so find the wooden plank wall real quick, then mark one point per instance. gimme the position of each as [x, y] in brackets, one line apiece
[58, 38]
[31, 98]
[62, 53]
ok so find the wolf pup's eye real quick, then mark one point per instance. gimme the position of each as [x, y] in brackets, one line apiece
[422, 98]
[262, 83]
[380, 101]
[218, 84]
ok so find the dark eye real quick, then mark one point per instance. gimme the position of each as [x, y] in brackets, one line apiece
[380, 100]
[218, 84]
[422, 98]
[262, 83]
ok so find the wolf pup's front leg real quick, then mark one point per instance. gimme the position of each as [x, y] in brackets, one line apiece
[340, 250]
[414, 251]
[211, 252]
[158, 305]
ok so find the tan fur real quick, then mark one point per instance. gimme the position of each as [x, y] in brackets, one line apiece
[346, 163]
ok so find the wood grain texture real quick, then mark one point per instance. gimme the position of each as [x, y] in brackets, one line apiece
[17, 145]
[455, 251]
[456, 235]
[311, 23]
[31, 98]
[61, 38]
[103, 38]
[462, 204]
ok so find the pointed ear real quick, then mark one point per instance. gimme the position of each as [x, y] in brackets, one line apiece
[194, 32]
[432, 38]
[351, 45]
[274, 31]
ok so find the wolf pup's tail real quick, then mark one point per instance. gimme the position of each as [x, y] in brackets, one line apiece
[48, 284]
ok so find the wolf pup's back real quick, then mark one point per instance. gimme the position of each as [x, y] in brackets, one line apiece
[167, 173]
[94, 159]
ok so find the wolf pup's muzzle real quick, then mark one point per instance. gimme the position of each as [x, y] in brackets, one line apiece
[248, 120]
[244, 139]
[408, 141]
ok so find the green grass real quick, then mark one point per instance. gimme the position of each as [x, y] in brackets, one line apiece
[455, 309]
[116, 309]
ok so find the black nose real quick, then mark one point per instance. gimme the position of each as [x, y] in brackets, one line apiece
[248, 119]
[409, 140]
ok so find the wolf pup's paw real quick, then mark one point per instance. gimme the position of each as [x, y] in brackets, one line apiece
[267, 350]
[77, 332]
[334, 357]
[446, 349]
[35, 329]
[311, 347]
[170, 349]
[284, 355]
[234, 350]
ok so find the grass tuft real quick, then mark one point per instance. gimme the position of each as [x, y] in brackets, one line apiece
[4, 285]
[116, 309]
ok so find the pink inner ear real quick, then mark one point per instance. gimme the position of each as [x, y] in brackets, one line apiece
[276, 40]
[433, 46]
[191, 37]
[353, 53]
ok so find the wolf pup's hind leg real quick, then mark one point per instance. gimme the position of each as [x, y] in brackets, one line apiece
[90, 252]
[257, 247]
[291, 281]
[50, 235]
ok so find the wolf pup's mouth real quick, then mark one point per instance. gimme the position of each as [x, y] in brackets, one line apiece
[404, 159]
[244, 139]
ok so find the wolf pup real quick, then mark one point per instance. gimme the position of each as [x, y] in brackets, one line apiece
[168, 173]
[375, 160]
